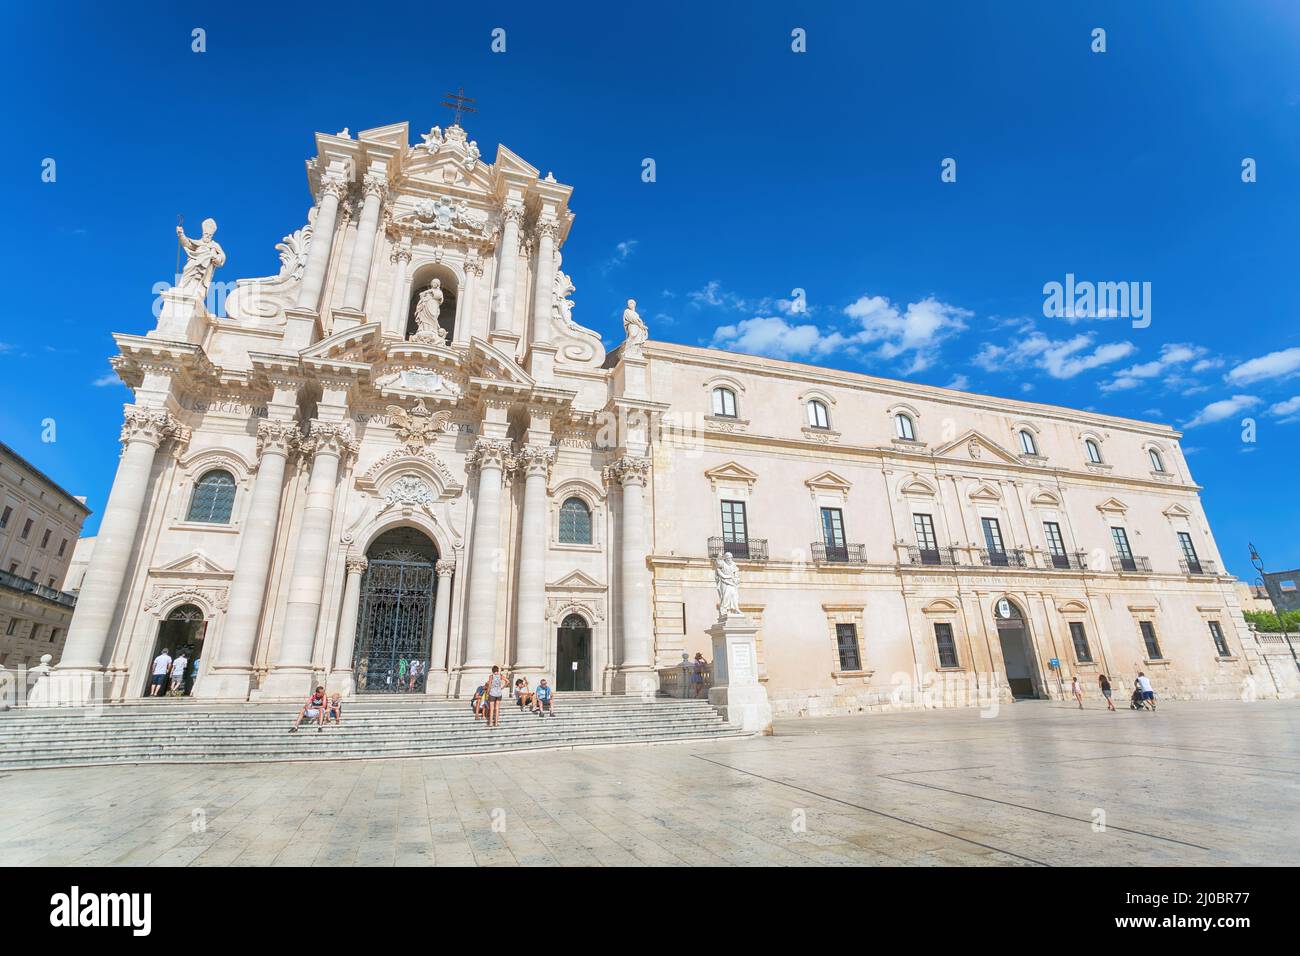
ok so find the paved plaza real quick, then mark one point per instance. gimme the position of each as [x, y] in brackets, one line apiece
[1195, 783]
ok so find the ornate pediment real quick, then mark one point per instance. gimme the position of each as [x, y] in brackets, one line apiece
[576, 581]
[975, 446]
[1045, 498]
[731, 473]
[917, 487]
[1176, 511]
[1112, 506]
[829, 483]
[984, 492]
[194, 564]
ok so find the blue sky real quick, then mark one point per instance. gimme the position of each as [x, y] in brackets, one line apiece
[775, 171]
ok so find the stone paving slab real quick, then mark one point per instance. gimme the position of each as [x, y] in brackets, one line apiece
[1209, 783]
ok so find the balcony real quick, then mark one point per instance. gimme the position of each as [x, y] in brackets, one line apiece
[1194, 567]
[1068, 562]
[1015, 558]
[744, 549]
[1130, 564]
[823, 553]
[14, 582]
[938, 557]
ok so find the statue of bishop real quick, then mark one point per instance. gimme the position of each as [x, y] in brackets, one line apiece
[202, 258]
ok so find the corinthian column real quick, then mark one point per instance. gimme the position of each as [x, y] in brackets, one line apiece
[354, 294]
[545, 281]
[401, 257]
[503, 304]
[473, 273]
[232, 674]
[325, 444]
[491, 456]
[332, 189]
[343, 680]
[637, 665]
[436, 682]
[143, 430]
[530, 636]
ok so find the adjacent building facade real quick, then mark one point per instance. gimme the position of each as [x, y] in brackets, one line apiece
[401, 461]
[39, 527]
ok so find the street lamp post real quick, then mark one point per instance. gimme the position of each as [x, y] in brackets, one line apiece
[1281, 614]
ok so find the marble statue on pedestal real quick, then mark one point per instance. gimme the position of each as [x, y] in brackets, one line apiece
[203, 256]
[727, 575]
[427, 308]
[634, 329]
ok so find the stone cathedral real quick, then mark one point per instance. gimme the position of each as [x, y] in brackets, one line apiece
[401, 461]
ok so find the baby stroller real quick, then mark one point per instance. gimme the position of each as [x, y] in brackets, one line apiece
[1135, 701]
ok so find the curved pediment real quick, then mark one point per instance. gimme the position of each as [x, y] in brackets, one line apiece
[1046, 499]
[917, 487]
[940, 606]
[488, 361]
[361, 343]
[401, 462]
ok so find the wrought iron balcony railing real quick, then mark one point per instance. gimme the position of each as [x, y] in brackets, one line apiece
[1078, 561]
[839, 553]
[1012, 558]
[744, 549]
[1133, 564]
[1195, 566]
[40, 590]
[943, 557]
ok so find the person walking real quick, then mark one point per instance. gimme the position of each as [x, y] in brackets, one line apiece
[178, 674]
[697, 675]
[1148, 694]
[1104, 683]
[496, 686]
[1076, 690]
[161, 665]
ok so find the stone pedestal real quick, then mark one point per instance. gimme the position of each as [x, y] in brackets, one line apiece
[301, 328]
[736, 693]
[183, 318]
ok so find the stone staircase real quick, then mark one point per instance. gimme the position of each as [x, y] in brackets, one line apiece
[188, 731]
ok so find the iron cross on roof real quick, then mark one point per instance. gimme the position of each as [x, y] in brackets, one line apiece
[457, 101]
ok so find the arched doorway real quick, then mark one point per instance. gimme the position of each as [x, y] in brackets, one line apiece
[421, 281]
[573, 654]
[395, 619]
[1013, 634]
[180, 634]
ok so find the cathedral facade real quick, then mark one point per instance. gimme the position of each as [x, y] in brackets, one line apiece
[401, 461]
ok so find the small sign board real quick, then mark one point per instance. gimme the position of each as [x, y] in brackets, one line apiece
[573, 665]
[1054, 664]
[1004, 608]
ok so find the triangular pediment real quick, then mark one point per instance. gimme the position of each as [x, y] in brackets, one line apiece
[194, 564]
[1113, 506]
[576, 581]
[732, 472]
[829, 481]
[488, 361]
[984, 492]
[394, 134]
[1176, 511]
[975, 446]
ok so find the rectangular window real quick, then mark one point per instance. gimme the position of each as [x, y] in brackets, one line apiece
[45, 538]
[846, 639]
[1189, 553]
[947, 646]
[4, 518]
[1120, 537]
[734, 526]
[27, 528]
[36, 632]
[54, 634]
[992, 536]
[1082, 652]
[1149, 639]
[51, 580]
[1055, 543]
[13, 626]
[1220, 642]
[925, 539]
[833, 534]
[13, 567]
[63, 546]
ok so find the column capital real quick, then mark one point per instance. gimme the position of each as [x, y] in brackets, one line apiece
[356, 565]
[628, 470]
[535, 460]
[374, 185]
[331, 438]
[331, 185]
[473, 263]
[401, 253]
[152, 425]
[491, 453]
[513, 212]
[445, 568]
[276, 437]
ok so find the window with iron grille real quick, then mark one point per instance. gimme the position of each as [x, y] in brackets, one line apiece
[946, 644]
[1082, 652]
[993, 535]
[1120, 537]
[1149, 639]
[734, 527]
[833, 528]
[1220, 642]
[213, 499]
[575, 522]
[925, 539]
[846, 639]
[1055, 543]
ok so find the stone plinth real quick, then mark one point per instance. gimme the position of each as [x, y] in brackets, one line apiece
[183, 318]
[736, 693]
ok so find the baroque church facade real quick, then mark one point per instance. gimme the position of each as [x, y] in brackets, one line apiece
[401, 461]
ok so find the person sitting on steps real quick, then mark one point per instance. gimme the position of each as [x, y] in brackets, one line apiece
[314, 709]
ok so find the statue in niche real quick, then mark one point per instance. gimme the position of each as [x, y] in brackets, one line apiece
[634, 329]
[427, 308]
[203, 257]
[726, 574]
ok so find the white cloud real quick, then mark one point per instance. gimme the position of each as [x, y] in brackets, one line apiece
[1173, 357]
[960, 383]
[775, 337]
[715, 296]
[1273, 365]
[1059, 358]
[105, 380]
[622, 251]
[1288, 411]
[1222, 409]
[919, 329]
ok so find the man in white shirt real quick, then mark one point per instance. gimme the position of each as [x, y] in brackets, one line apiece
[1148, 695]
[161, 665]
[178, 671]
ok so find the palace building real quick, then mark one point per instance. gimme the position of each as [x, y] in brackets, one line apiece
[401, 461]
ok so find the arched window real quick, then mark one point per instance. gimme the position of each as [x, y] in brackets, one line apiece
[1157, 463]
[575, 522]
[1094, 453]
[904, 428]
[724, 402]
[1027, 443]
[214, 498]
[817, 415]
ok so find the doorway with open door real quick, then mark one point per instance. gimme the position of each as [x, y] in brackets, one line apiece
[177, 652]
[573, 654]
[1013, 635]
